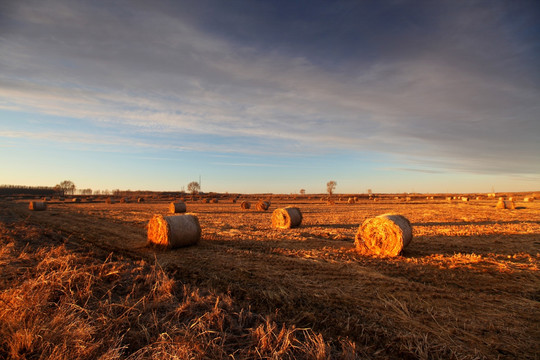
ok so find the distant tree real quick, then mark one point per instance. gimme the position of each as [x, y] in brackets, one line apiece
[369, 191]
[67, 187]
[302, 191]
[86, 192]
[116, 192]
[330, 187]
[193, 187]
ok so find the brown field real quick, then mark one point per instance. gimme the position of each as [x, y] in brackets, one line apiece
[79, 281]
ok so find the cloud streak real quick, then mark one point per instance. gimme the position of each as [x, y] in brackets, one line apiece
[424, 89]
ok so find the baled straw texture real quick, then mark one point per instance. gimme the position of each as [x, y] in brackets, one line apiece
[174, 231]
[286, 218]
[177, 207]
[385, 235]
[506, 204]
[350, 200]
[263, 205]
[245, 205]
[37, 205]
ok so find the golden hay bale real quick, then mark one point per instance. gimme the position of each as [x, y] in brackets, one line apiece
[263, 205]
[37, 205]
[110, 201]
[174, 231]
[385, 234]
[464, 198]
[506, 204]
[214, 201]
[140, 200]
[286, 218]
[177, 207]
[330, 202]
[233, 200]
[528, 199]
[245, 205]
[76, 200]
[351, 200]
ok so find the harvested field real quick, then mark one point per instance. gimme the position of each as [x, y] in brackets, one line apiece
[466, 287]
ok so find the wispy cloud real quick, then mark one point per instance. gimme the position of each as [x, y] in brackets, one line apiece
[434, 96]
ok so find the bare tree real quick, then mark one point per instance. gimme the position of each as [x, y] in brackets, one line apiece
[66, 187]
[330, 187]
[193, 187]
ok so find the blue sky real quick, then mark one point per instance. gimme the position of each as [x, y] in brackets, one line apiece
[271, 96]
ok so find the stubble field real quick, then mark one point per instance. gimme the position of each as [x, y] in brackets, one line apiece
[468, 285]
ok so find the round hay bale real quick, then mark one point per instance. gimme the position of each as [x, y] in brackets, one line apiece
[37, 205]
[263, 205]
[177, 207]
[330, 202]
[465, 199]
[76, 200]
[350, 200]
[174, 231]
[206, 201]
[140, 200]
[245, 205]
[110, 201]
[385, 235]
[286, 218]
[214, 201]
[528, 199]
[233, 200]
[506, 204]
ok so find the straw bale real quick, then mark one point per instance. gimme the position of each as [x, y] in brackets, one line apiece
[177, 207]
[386, 234]
[214, 201]
[286, 218]
[76, 200]
[330, 202]
[245, 205]
[528, 199]
[110, 201]
[350, 200]
[464, 198]
[506, 204]
[37, 205]
[174, 231]
[263, 205]
[140, 200]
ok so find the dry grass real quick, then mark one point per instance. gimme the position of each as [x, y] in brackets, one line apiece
[63, 301]
[465, 288]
